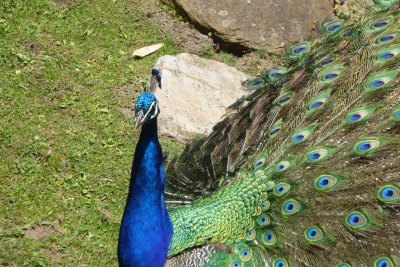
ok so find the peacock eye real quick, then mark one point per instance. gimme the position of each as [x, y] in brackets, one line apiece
[313, 234]
[346, 33]
[269, 238]
[270, 185]
[366, 147]
[265, 205]
[331, 74]
[281, 189]
[251, 234]
[280, 263]
[261, 160]
[284, 99]
[356, 219]
[302, 135]
[299, 49]
[275, 73]
[264, 220]
[380, 80]
[379, 25]
[283, 165]
[291, 207]
[246, 254]
[389, 194]
[325, 182]
[359, 115]
[386, 38]
[332, 26]
[396, 115]
[235, 264]
[254, 83]
[383, 262]
[318, 155]
[388, 54]
[238, 248]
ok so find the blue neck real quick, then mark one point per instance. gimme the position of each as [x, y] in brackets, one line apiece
[146, 181]
[146, 229]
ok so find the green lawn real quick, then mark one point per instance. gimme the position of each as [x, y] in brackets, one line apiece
[67, 84]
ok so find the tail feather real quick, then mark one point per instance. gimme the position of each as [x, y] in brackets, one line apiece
[320, 186]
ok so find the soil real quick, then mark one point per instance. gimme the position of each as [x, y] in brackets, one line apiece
[53, 255]
[40, 232]
[185, 36]
[192, 41]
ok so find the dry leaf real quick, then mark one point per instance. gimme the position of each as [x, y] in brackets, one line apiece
[147, 50]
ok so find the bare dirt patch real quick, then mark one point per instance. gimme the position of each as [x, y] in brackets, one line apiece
[40, 232]
[126, 93]
[190, 40]
[185, 36]
[51, 254]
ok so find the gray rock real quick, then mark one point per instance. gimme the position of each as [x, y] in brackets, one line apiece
[267, 24]
[195, 92]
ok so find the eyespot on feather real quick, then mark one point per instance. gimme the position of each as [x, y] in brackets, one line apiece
[265, 205]
[318, 103]
[380, 81]
[291, 207]
[235, 263]
[383, 262]
[281, 189]
[254, 84]
[246, 254]
[283, 165]
[264, 220]
[325, 182]
[366, 147]
[284, 99]
[299, 49]
[332, 26]
[331, 74]
[389, 194]
[379, 24]
[318, 154]
[314, 234]
[275, 129]
[269, 238]
[250, 235]
[356, 220]
[387, 37]
[280, 262]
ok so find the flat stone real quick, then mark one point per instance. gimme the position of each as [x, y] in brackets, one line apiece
[195, 93]
[267, 24]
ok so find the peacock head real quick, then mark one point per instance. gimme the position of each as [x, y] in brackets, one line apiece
[146, 109]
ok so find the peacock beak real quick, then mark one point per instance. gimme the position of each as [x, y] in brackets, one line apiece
[139, 119]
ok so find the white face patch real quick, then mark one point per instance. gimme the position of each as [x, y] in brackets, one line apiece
[157, 111]
[141, 117]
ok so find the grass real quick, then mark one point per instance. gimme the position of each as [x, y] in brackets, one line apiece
[66, 139]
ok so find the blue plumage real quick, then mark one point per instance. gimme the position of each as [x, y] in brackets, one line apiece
[146, 229]
[144, 102]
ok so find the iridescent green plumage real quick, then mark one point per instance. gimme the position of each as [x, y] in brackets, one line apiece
[314, 178]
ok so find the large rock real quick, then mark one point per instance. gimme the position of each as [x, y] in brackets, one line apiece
[268, 24]
[195, 92]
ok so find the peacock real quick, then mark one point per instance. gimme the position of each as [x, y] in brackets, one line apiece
[146, 228]
[305, 170]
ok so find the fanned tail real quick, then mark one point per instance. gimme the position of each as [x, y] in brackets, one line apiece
[323, 188]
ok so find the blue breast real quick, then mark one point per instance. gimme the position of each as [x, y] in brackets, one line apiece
[146, 229]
